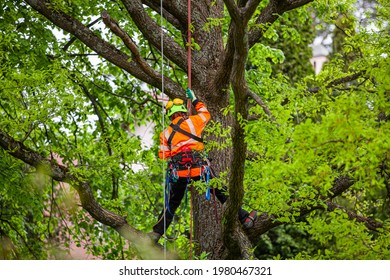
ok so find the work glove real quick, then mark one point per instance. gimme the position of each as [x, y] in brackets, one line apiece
[190, 95]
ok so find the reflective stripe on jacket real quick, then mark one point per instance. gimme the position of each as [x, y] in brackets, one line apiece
[193, 124]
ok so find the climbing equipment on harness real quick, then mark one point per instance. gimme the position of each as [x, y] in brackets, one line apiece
[206, 178]
[187, 159]
[206, 175]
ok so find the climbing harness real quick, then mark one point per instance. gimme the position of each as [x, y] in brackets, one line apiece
[176, 128]
[187, 159]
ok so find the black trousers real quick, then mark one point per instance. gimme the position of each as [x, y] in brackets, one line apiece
[176, 194]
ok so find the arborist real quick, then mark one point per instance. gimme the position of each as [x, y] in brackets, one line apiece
[181, 144]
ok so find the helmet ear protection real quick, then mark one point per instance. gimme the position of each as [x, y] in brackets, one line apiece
[174, 106]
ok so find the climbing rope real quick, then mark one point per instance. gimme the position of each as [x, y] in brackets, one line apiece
[165, 176]
[189, 105]
[189, 59]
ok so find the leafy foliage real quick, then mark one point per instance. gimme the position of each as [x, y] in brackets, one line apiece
[320, 136]
[83, 112]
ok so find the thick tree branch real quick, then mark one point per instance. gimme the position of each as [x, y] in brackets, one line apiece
[341, 184]
[250, 8]
[239, 44]
[340, 81]
[113, 25]
[99, 45]
[369, 223]
[172, 12]
[262, 104]
[152, 32]
[208, 39]
[62, 174]
[270, 14]
[73, 39]
[233, 10]
[265, 222]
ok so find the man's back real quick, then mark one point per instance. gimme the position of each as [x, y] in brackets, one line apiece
[172, 142]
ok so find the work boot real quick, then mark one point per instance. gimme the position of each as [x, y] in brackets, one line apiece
[250, 220]
[154, 236]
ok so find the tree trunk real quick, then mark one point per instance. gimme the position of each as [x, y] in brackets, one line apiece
[212, 89]
[208, 214]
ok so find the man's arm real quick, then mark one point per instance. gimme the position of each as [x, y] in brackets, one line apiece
[203, 116]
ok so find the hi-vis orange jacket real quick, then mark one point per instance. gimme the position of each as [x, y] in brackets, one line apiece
[193, 124]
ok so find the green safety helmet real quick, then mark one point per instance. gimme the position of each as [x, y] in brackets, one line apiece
[177, 105]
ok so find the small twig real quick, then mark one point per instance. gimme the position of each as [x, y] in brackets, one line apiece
[262, 104]
[128, 41]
